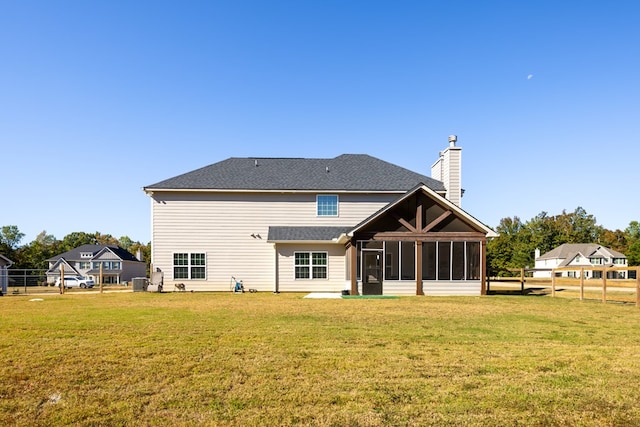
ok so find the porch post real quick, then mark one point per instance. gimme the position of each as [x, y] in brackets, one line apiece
[353, 275]
[419, 290]
[483, 268]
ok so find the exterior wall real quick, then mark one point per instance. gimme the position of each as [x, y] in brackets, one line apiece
[554, 263]
[546, 264]
[430, 288]
[4, 278]
[221, 225]
[336, 270]
[131, 269]
[470, 288]
[452, 174]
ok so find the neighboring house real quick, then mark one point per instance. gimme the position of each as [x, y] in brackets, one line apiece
[118, 265]
[351, 223]
[5, 263]
[580, 255]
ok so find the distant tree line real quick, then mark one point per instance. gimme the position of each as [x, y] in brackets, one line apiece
[34, 255]
[515, 246]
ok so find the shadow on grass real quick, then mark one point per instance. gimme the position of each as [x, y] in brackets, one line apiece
[536, 292]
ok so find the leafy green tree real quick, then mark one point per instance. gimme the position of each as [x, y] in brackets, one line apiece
[35, 254]
[125, 242]
[504, 249]
[75, 239]
[633, 254]
[10, 236]
[105, 239]
[616, 240]
[633, 232]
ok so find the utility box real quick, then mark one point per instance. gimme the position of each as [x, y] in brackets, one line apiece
[139, 284]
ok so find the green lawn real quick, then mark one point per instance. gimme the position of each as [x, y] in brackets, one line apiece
[194, 359]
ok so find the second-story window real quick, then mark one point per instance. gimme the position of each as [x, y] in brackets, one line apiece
[327, 205]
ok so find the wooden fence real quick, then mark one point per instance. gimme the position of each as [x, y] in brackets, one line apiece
[525, 281]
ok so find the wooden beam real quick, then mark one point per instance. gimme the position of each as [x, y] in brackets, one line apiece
[637, 286]
[484, 284]
[418, 217]
[353, 275]
[426, 237]
[436, 221]
[404, 222]
[418, 255]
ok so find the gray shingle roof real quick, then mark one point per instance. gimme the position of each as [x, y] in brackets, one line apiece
[306, 234]
[570, 250]
[348, 172]
[74, 254]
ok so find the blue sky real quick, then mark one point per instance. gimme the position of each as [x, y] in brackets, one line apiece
[101, 98]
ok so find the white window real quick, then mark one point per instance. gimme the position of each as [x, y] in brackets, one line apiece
[327, 205]
[310, 265]
[189, 265]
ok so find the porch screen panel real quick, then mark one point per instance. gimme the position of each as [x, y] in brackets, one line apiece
[457, 261]
[392, 260]
[473, 260]
[408, 261]
[444, 258]
[429, 261]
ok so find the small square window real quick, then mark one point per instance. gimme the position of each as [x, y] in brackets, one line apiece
[327, 205]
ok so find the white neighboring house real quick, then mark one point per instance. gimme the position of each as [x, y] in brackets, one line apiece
[5, 263]
[579, 255]
[351, 223]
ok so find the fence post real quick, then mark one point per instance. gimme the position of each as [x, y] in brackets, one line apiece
[604, 285]
[62, 278]
[522, 281]
[581, 283]
[101, 265]
[553, 282]
[637, 286]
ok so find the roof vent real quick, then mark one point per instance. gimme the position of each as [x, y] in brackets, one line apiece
[256, 162]
[327, 168]
[452, 140]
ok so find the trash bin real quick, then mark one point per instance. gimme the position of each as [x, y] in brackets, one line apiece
[139, 284]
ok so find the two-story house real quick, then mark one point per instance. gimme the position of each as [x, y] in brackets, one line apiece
[351, 223]
[116, 264]
[580, 255]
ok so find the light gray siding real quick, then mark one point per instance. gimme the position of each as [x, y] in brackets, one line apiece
[335, 281]
[231, 229]
[470, 288]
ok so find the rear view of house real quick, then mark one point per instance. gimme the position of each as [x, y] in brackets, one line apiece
[350, 223]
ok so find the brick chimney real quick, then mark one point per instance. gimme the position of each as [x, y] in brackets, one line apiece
[448, 169]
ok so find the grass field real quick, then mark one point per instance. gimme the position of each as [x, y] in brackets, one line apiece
[191, 359]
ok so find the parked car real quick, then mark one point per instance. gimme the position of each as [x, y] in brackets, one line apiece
[76, 282]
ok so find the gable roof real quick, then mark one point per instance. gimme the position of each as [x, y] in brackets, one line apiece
[347, 172]
[5, 261]
[570, 250]
[75, 254]
[472, 221]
